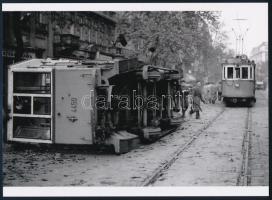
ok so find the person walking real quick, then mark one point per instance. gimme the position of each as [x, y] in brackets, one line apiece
[197, 97]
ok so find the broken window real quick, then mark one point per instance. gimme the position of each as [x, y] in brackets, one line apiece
[32, 105]
[32, 82]
[22, 105]
[32, 128]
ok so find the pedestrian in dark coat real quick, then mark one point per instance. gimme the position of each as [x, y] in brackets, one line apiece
[184, 101]
[197, 97]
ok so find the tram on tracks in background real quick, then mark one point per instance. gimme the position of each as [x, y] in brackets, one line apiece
[238, 81]
[56, 102]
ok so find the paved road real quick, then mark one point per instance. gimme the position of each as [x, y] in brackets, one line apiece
[212, 159]
[215, 158]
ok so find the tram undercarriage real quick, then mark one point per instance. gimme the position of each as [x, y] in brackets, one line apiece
[231, 101]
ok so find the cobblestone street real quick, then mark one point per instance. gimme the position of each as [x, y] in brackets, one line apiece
[213, 157]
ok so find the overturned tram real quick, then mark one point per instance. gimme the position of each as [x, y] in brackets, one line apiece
[119, 102]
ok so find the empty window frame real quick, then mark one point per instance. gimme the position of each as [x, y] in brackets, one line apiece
[237, 72]
[32, 128]
[32, 82]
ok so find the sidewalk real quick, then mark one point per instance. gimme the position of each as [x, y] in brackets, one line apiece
[259, 161]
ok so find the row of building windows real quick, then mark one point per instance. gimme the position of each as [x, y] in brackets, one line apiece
[88, 27]
[70, 31]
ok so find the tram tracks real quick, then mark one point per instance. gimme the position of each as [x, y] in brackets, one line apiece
[244, 176]
[158, 172]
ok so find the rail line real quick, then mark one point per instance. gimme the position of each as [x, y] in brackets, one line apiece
[159, 171]
[262, 94]
[244, 177]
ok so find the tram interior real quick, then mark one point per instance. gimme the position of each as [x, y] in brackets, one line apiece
[31, 105]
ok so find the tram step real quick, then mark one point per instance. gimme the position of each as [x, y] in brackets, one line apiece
[123, 141]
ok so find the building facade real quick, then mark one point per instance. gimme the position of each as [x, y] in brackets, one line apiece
[75, 35]
[59, 34]
[260, 53]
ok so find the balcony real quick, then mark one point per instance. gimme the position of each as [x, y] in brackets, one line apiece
[67, 40]
[65, 44]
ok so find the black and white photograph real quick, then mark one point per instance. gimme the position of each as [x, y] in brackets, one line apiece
[150, 96]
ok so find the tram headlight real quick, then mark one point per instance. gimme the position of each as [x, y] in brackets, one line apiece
[237, 85]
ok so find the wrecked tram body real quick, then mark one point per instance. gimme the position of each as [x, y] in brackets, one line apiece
[115, 103]
[238, 81]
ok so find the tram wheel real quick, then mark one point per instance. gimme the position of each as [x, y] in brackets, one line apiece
[226, 102]
[251, 102]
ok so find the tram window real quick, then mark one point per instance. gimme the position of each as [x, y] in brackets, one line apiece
[230, 73]
[244, 73]
[237, 72]
[32, 128]
[32, 82]
[41, 105]
[250, 76]
[22, 105]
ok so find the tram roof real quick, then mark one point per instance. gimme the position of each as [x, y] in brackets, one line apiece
[239, 59]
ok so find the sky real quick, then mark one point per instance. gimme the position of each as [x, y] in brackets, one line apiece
[256, 22]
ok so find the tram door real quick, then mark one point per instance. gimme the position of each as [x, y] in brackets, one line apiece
[74, 118]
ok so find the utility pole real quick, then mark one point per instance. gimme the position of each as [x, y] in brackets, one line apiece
[236, 40]
[241, 36]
